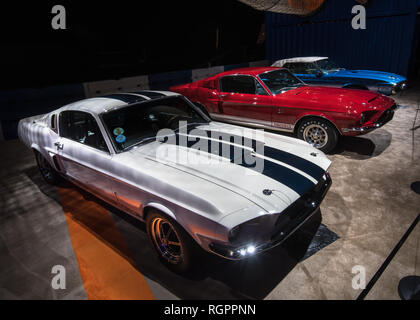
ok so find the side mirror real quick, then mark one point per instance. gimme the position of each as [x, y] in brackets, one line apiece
[319, 74]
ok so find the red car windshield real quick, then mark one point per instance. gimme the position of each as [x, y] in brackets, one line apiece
[279, 81]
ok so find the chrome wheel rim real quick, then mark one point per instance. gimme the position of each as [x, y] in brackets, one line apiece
[166, 240]
[315, 135]
[45, 168]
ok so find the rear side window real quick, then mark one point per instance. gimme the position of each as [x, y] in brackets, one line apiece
[238, 84]
[53, 123]
[81, 127]
[242, 84]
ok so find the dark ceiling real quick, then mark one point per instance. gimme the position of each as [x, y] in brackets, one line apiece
[107, 39]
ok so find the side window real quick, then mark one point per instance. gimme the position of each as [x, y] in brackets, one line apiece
[238, 84]
[81, 127]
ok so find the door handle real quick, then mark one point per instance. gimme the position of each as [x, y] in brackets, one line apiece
[59, 145]
[222, 95]
[279, 111]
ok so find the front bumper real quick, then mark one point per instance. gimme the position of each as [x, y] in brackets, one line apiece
[400, 86]
[385, 117]
[389, 90]
[289, 221]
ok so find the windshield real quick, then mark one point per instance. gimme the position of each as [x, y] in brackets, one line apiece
[327, 65]
[279, 81]
[140, 123]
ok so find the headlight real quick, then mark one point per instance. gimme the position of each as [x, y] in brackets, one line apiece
[254, 231]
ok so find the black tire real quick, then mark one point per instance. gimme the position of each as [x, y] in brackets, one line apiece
[49, 174]
[318, 132]
[179, 259]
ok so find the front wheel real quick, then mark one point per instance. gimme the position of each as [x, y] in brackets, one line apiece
[319, 133]
[172, 244]
[47, 171]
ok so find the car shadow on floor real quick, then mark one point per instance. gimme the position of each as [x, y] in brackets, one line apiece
[213, 277]
[218, 278]
[360, 147]
[364, 147]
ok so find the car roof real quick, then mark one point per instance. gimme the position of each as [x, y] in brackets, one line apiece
[114, 101]
[254, 71]
[281, 63]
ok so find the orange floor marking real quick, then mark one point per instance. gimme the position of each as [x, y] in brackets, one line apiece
[105, 265]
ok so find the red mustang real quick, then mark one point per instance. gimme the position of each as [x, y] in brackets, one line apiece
[273, 98]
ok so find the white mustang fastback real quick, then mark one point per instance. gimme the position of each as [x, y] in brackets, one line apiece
[234, 191]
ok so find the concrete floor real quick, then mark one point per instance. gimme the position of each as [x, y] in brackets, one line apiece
[107, 256]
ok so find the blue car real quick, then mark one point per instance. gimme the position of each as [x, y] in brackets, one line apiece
[325, 72]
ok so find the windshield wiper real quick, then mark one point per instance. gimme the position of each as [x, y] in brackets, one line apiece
[190, 123]
[148, 139]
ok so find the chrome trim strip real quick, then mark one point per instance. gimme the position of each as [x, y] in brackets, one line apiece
[249, 122]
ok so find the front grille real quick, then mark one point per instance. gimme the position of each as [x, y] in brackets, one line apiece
[302, 208]
[387, 115]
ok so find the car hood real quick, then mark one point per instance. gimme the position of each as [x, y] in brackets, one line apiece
[339, 99]
[227, 186]
[368, 74]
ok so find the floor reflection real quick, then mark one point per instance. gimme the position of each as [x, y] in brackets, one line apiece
[214, 278]
[364, 147]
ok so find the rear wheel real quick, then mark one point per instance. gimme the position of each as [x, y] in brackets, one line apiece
[319, 133]
[172, 244]
[47, 171]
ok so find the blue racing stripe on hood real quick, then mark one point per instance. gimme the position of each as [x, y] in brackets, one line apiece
[288, 177]
[295, 161]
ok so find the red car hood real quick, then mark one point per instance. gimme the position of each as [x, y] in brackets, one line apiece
[360, 100]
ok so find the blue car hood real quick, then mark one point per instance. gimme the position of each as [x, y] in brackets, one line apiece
[368, 74]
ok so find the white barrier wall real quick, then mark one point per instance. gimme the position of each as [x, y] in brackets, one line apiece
[29, 102]
[198, 74]
[261, 63]
[98, 88]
